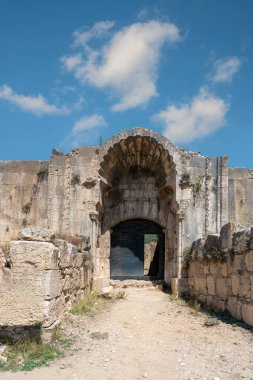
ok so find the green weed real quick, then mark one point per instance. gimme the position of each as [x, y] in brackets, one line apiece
[26, 354]
[86, 305]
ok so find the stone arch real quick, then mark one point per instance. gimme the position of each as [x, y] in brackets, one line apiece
[138, 180]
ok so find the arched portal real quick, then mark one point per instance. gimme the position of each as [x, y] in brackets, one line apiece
[138, 181]
[137, 250]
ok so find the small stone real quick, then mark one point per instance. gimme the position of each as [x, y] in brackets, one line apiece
[107, 292]
[145, 375]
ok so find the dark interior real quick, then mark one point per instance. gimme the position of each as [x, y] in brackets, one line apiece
[127, 250]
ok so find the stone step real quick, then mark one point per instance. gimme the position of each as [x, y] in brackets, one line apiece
[137, 283]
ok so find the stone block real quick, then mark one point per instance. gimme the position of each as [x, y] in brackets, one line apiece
[66, 284]
[107, 292]
[214, 303]
[232, 306]
[199, 270]
[247, 314]
[99, 283]
[68, 255]
[235, 284]
[40, 255]
[245, 287]
[230, 266]
[53, 311]
[200, 286]
[213, 268]
[201, 299]
[36, 234]
[238, 263]
[226, 237]
[249, 260]
[195, 269]
[210, 286]
[209, 302]
[212, 241]
[191, 270]
[191, 282]
[179, 286]
[239, 310]
[220, 305]
[51, 283]
[79, 259]
[223, 270]
[222, 288]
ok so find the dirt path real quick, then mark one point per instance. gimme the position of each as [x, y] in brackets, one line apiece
[151, 337]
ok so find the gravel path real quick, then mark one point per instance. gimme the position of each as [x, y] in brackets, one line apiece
[150, 336]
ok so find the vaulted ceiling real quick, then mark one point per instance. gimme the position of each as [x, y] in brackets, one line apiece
[137, 156]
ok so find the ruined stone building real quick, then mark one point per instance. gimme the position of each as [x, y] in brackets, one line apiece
[136, 186]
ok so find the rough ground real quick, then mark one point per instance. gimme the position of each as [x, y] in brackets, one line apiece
[150, 336]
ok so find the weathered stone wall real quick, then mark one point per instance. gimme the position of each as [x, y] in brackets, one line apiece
[220, 273]
[44, 280]
[240, 195]
[73, 190]
[23, 196]
[203, 196]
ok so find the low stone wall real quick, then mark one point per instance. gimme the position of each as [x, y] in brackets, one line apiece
[44, 280]
[220, 272]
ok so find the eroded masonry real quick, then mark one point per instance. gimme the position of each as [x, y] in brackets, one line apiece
[137, 203]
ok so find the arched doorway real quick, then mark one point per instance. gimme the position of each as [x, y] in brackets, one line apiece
[137, 250]
[137, 181]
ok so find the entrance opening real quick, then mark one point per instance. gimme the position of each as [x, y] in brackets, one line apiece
[137, 250]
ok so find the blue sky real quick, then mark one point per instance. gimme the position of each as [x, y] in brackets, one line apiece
[72, 71]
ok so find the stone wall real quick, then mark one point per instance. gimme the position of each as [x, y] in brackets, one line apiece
[23, 196]
[76, 193]
[203, 196]
[220, 272]
[240, 195]
[73, 190]
[45, 279]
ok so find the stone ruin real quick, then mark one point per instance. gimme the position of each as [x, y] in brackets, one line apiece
[135, 188]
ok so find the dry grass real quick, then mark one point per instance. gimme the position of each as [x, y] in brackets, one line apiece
[120, 295]
[191, 302]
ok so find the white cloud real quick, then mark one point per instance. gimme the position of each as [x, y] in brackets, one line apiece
[188, 122]
[224, 70]
[89, 122]
[142, 14]
[36, 105]
[127, 64]
[72, 61]
[99, 29]
[85, 131]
